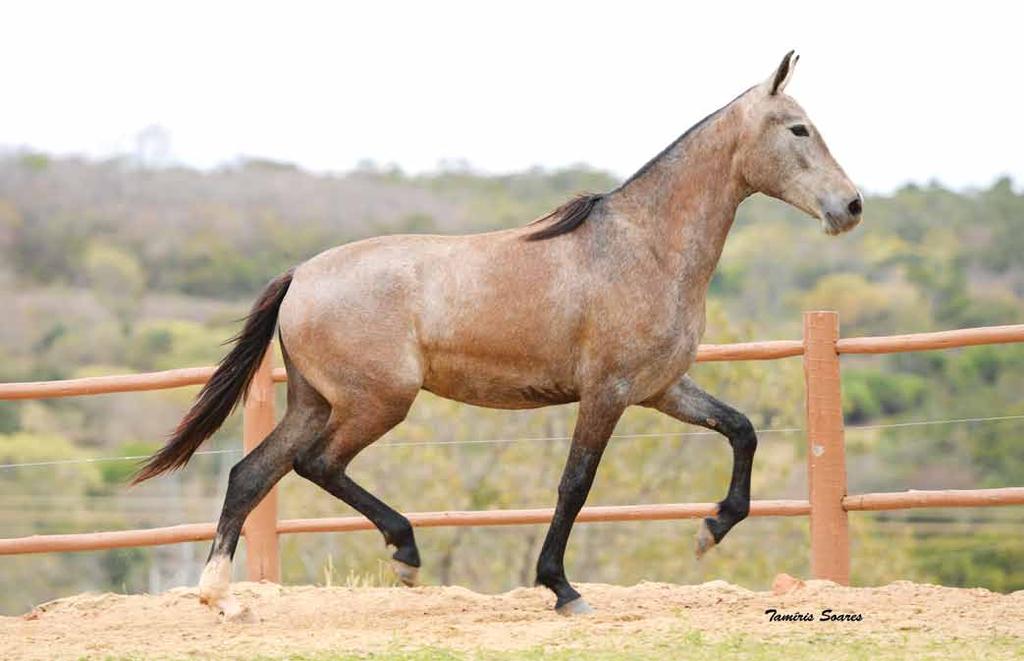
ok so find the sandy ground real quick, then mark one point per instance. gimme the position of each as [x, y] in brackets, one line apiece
[313, 620]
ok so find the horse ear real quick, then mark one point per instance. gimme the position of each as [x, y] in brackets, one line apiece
[780, 78]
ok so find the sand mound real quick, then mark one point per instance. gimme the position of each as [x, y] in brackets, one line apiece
[312, 620]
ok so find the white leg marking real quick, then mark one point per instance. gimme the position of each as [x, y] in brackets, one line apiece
[215, 589]
[215, 583]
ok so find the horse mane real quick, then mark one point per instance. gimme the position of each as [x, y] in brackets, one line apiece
[575, 212]
[567, 217]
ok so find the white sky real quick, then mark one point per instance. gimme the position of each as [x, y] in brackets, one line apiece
[902, 91]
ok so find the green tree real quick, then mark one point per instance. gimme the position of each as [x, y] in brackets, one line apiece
[118, 281]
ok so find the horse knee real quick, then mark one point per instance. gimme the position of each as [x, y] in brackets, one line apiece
[741, 434]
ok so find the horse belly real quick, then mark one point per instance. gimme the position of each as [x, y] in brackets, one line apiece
[494, 384]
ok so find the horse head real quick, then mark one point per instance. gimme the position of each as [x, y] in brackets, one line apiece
[783, 155]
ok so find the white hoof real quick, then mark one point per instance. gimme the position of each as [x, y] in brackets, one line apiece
[232, 611]
[215, 588]
[575, 607]
[407, 574]
[215, 592]
[705, 540]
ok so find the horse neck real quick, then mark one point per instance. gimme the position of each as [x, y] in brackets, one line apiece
[686, 199]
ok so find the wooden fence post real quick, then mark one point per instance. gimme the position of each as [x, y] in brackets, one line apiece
[826, 450]
[261, 553]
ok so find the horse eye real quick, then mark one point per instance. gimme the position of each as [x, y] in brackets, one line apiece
[799, 130]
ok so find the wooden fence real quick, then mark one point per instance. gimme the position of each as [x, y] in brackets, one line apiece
[827, 503]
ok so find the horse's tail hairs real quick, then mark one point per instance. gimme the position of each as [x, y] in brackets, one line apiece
[226, 387]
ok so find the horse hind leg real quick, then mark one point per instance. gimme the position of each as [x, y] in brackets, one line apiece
[250, 480]
[325, 464]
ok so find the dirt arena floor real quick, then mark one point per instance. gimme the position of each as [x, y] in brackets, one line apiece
[649, 620]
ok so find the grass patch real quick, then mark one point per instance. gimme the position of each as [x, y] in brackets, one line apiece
[695, 646]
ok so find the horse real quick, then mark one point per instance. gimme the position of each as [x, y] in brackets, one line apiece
[600, 302]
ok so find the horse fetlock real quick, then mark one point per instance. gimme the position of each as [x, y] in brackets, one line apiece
[567, 600]
[408, 554]
[215, 592]
[552, 577]
[404, 540]
[215, 582]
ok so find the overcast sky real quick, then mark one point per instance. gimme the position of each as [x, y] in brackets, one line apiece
[901, 91]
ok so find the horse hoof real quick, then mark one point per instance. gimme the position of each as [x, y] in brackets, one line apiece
[231, 610]
[705, 540]
[407, 574]
[575, 607]
[241, 615]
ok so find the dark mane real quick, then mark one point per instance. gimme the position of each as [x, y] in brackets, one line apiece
[567, 217]
[574, 213]
[667, 150]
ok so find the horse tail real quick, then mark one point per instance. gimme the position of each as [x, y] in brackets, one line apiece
[226, 387]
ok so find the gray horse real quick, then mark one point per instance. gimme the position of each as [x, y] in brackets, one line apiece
[601, 302]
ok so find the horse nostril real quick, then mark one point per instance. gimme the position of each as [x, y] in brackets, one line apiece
[855, 207]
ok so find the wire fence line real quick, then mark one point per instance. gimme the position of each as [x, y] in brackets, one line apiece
[96, 460]
[495, 441]
[950, 421]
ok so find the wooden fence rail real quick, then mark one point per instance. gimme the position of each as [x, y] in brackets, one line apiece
[827, 504]
[195, 376]
[195, 532]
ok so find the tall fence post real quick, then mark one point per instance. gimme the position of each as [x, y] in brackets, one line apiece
[826, 449]
[261, 553]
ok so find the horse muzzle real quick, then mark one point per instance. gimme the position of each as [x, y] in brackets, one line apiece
[841, 216]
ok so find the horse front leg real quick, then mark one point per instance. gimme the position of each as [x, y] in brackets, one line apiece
[597, 419]
[687, 402]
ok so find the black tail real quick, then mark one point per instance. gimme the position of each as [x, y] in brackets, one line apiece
[226, 387]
